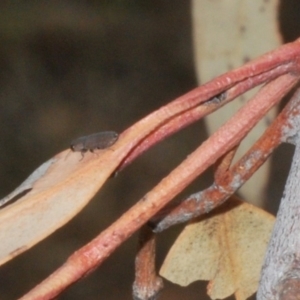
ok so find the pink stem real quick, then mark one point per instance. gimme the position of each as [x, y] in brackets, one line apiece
[229, 135]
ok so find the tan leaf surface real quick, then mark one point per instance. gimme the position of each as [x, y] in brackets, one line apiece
[58, 190]
[227, 34]
[226, 247]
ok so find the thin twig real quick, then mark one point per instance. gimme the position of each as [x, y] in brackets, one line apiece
[227, 182]
[228, 136]
[147, 284]
[267, 67]
[205, 105]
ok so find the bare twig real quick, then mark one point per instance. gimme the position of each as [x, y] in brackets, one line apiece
[222, 165]
[227, 182]
[147, 284]
[228, 136]
[234, 83]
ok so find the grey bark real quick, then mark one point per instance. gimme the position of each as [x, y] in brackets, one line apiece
[281, 271]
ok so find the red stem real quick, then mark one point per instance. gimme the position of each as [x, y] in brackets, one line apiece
[228, 182]
[229, 135]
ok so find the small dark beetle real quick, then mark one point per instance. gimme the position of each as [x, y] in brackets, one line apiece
[94, 141]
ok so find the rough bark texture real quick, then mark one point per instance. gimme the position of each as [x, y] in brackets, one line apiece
[282, 264]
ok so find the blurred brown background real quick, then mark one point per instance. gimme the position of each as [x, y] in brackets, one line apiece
[71, 68]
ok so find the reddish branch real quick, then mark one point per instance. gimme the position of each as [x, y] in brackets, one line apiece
[147, 284]
[228, 181]
[234, 83]
[279, 68]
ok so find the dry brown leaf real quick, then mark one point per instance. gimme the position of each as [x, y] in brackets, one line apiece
[228, 33]
[58, 190]
[226, 247]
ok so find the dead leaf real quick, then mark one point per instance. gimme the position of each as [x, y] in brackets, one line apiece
[226, 247]
[57, 191]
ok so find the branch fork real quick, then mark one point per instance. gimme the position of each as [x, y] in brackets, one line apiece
[279, 71]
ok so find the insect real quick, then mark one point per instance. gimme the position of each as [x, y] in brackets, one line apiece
[100, 140]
